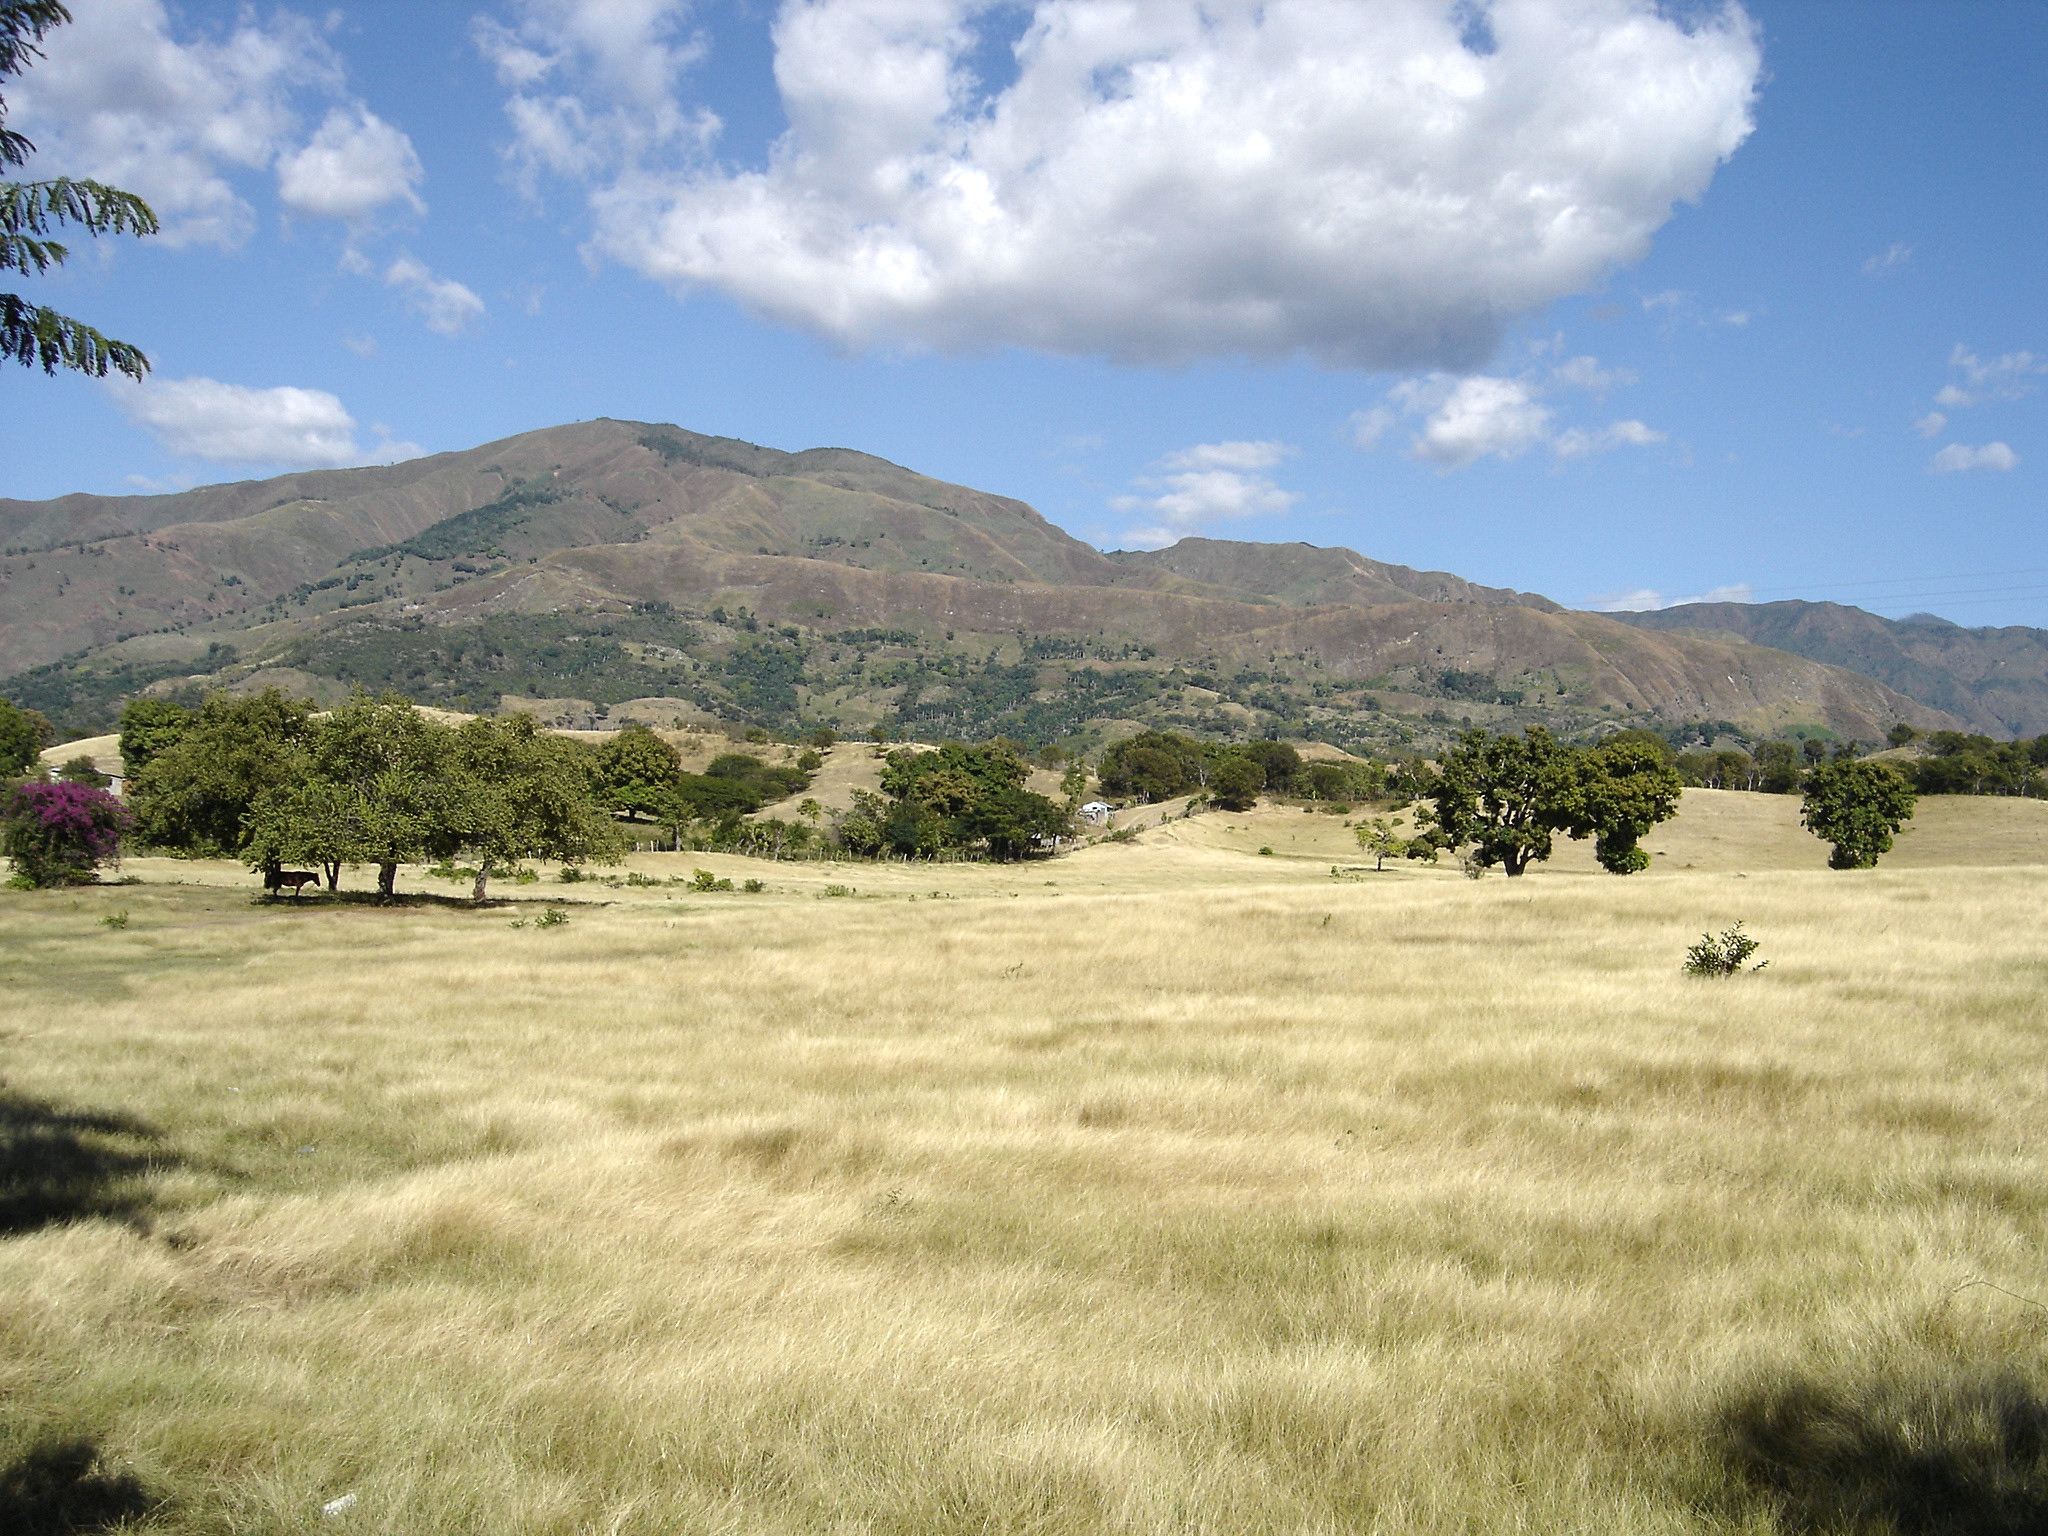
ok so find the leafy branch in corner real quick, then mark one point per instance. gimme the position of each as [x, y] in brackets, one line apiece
[34, 334]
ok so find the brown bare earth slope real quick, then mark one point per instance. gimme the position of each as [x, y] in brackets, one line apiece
[1994, 679]
[601, 515]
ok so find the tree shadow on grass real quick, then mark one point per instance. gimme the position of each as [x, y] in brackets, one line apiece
[60, 1488]
[60, 1165]
[1966, 1457]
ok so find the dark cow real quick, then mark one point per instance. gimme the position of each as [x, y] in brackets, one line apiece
[297, 879]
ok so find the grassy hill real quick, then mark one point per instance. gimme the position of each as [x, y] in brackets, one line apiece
[617, 567]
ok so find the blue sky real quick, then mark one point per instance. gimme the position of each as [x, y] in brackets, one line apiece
[1620, 303]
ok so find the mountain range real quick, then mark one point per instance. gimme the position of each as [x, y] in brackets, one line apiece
[613, 569]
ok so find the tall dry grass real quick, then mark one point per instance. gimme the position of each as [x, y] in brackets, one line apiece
[1181, 1193]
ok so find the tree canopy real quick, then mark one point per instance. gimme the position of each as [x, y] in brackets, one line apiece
[23, 735]
[1507, 797]
[33, 334]
[957, 797]
[1856, 806]
[198, 783]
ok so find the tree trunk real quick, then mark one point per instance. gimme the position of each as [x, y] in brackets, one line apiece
[387, 881]
[483, 874]
[333, 869]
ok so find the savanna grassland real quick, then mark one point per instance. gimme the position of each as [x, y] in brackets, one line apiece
[1160, 1188]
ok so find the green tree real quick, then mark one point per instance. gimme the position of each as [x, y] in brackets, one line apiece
[1626, 785]
[519, 794]
[150, 728]
[1153, 766]
[83, 770]
[957, 796]
[310, 821]
[34, 334]
[195, 794]
[1277, 760]
[1074, 785]
[388, 761]
[23, 735]
[638, 770]
[1857, 806]
[1236, 782]
[1378, 838]
[1505, 795]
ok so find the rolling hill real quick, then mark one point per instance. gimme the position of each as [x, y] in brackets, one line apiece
[608, 568]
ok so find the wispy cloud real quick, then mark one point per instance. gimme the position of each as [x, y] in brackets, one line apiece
[1891, 259]
[1206, 484]
[2007, 377]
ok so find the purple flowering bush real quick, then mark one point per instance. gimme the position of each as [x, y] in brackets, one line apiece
[58, 834]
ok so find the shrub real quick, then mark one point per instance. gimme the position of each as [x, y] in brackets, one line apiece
[551, 917]
[1722, 956]
[754, 887]
[570, 875]
[57, 834]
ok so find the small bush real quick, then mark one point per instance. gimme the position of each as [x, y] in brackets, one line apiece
[838, 890]
[704, 880]
[754, 887]
[570, 875]
[1265, 853]
[114, 920]
[552, 917]
[1722, 956]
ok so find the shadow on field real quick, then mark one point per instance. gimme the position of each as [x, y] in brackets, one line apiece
[59, 1488]
[60, 1165]
[1968, 1457]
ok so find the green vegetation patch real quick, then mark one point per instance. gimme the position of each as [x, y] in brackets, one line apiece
[479, 531]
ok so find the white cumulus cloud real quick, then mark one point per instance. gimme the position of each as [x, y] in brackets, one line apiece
[1365, 183]
[120, 98]
[1474, 417]
[1210, 483]
[1463, 420]
[1931, 424]
[287, 427]
[1956, 458]
[447, 305]
[354, 164]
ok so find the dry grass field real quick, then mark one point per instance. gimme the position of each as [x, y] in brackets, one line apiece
[1161, 1188]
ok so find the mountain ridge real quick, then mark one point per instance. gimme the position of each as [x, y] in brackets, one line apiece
[614, 517]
